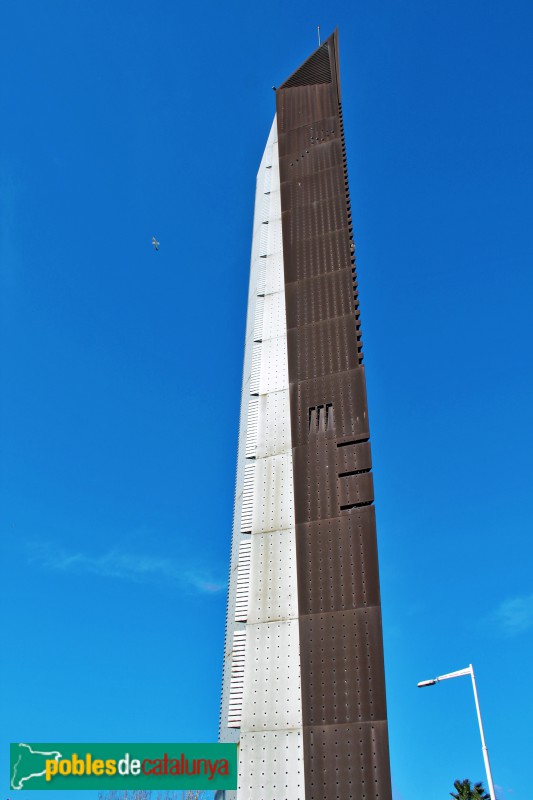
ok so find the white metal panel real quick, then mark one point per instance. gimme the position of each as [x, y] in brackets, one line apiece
[272, 589]
[273, 504]
[274, 173]
[274, 368]
[248, 498]
[272, 695]
[273, 429]
[273, 316]
[275, 193]
[265, 201]
[267, 178]
[263, 238]
[274, 277]
[242, 504]
[271, 766]
[261, 276]
[237, 679]
[274, 242]
[256, 243]
[259, 317]
[252, 427]
[275, 198]
[243, 581]
[255, 375]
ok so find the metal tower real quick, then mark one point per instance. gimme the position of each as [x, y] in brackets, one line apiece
[304, 684]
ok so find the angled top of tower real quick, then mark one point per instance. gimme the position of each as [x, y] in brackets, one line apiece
[320, 67]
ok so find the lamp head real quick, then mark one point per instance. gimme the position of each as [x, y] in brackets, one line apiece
[426, 683]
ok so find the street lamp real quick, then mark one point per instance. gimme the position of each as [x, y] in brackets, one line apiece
[469, 671]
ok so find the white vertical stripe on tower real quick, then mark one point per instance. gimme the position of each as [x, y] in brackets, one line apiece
[271, 744]
[247, 431]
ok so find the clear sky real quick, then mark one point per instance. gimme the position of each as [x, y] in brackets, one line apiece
[121, 367]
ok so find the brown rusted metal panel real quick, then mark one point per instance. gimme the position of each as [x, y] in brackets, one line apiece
[342, 666]
[315, 69]
[317, 299]
[312, 257]
[325, 155]
[298, 140]
[304, 106]
[346, 391]
[355, 490]
[321, 349]
[330, 488]
[319, 186]
[347, 762]
[342, 572]
[354, 457]
[316, 219]
[341, 651]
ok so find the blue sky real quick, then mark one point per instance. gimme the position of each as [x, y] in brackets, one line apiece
[121, 367]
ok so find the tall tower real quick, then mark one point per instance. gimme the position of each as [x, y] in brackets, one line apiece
[304, 685]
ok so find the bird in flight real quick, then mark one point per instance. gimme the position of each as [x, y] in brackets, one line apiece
[155, 243]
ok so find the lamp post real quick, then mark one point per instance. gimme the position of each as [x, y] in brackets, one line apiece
[460, 672]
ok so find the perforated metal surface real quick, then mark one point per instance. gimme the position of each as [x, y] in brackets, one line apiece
[273, 593]
[310, 686]
[342, 669]
[328, 155]
[347, 762]
[271, 766]
[325, 347]
[274, 242]
[265, 688]
[267, 181]
[273, 508]
[342, 666]
[338, 563]
[326, 252]
[274, 424]
[274, 279]
[331, 489]
[346, 392]
[259, 313]
[323, 297]
[324, 190]
[228, 721]
[273, 317]
[298, 140]
[303, 105]
[263, 238]
[273, 371]
[261, 276]
[272, 698]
